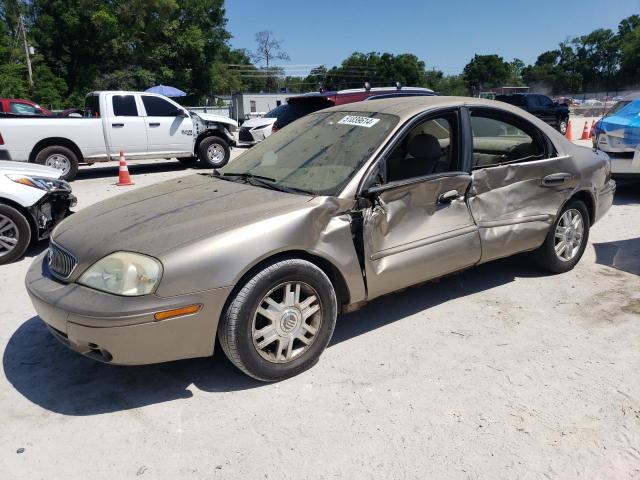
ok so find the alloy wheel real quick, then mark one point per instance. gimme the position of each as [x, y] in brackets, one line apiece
[9, 235]
[569, 234]
[59, 162]
[215, 153]
[286, 322]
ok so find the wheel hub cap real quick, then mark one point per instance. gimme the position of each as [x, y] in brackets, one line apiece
[9, 235]
[286, 322]
[569, 234]
[59, 162]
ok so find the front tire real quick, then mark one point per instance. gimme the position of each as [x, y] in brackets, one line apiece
[566, 240]
[214, 152]
[60, 158]
[281, 320]
[15, 234]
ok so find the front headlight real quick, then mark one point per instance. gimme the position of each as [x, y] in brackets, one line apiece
[124, 273]
[48, 184]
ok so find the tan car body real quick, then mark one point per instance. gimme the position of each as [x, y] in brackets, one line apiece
[211, 235]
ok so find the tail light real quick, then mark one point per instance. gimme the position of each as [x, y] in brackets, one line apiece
[274, 129]
[1, 140]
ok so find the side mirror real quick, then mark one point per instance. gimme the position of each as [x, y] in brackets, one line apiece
[180, 113]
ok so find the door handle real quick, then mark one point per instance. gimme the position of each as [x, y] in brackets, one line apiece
[117, 125]
[154, 124]
[448, 197]
[556, 179]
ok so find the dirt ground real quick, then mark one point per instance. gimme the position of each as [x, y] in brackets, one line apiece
[501, 372]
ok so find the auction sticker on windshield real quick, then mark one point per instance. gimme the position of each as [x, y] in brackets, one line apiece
[359, 121]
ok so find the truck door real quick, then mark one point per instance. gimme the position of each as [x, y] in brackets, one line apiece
[419, 226]
[125, 127]
[169, 128]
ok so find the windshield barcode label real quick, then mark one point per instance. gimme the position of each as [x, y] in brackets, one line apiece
[359, 121]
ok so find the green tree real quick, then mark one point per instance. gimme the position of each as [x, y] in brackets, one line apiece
[486, 71]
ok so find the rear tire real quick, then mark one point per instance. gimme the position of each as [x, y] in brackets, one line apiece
[15, 234]
[281, 320]
[214, 152]
[60, 158]
[562, 125]
[566, 240]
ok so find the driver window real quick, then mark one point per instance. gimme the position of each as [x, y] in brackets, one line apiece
[429, 148]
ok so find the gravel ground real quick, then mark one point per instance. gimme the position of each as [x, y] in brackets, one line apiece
[499, 372]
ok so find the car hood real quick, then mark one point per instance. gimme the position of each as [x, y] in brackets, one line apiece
[24, 168]
[162, 217]
[211, 117]
[258, 121]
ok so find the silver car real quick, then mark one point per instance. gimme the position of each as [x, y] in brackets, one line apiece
[341, 207]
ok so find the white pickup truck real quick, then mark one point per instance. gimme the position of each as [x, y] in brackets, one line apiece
[143, 125]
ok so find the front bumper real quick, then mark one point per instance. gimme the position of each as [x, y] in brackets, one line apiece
[122, 330]
[50, 210]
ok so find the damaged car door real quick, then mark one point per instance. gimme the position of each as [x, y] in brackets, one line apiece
[519, 182]
[418, 226]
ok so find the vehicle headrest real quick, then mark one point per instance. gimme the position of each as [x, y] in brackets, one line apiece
[424, 146]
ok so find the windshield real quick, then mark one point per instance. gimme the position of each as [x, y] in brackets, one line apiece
[318, 153]
[276, 112]
[617, 107]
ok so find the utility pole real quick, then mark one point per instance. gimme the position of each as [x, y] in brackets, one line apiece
[26, 51]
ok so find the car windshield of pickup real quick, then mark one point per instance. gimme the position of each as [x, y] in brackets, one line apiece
[317, 154]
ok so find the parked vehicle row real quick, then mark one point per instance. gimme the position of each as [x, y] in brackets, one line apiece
[144, 125]
[344, 205]
[257, 129]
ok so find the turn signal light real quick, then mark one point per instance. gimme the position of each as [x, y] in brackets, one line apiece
[178, 312]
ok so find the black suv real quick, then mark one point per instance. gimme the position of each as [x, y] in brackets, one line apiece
[553, 113]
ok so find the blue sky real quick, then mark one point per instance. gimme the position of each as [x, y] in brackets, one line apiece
[444, 34]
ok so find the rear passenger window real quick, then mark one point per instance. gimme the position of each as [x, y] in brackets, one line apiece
[158, 107]
[499, 140]
[124, 106]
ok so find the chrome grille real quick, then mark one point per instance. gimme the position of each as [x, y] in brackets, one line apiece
[61, 262]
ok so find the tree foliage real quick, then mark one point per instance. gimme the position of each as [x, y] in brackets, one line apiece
[486, 71]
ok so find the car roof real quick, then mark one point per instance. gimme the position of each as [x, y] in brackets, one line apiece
[632, 96]
[408, 107]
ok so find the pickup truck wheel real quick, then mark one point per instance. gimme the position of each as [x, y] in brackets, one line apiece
[15, 234]
[214, 152]
[566, 240]
[60, 158]
[281, 320]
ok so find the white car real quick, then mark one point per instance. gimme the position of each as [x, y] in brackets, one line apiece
[33, 199]
[143, 125]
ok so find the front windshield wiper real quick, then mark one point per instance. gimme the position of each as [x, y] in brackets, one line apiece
[262, 181]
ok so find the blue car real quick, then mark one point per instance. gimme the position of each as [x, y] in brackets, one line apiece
[618, 132]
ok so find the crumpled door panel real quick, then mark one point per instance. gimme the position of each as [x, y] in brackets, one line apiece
[410, 238]
[513, 208]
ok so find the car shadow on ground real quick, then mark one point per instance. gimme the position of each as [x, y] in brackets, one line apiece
[627, 192]
[110, 169]
[59, 380]
[622, 255]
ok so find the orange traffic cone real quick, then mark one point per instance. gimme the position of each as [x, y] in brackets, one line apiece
[593, 125]
[585, 131]
[569, 133]
[123, 172]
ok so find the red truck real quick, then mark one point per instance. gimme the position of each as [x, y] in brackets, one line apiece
[18, 106]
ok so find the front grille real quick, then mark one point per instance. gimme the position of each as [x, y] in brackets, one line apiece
[61, 262]
[245, 135]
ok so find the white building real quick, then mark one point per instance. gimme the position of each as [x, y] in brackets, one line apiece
[249, 105]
